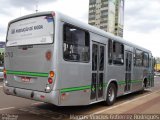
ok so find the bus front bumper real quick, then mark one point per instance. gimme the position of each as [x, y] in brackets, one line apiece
[51, 97]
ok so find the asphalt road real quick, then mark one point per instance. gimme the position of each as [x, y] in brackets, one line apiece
[24, 109]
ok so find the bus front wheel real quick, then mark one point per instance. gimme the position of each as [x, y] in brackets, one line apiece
[111, 94]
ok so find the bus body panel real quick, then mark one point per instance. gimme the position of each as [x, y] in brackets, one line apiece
[29, 53]
[72, 77]
[52, 97]
[28, 69]
[72, 81]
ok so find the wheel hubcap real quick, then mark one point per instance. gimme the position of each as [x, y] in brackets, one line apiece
[111, 94]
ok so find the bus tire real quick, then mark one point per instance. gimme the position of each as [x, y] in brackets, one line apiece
[144, 86]
[111, 94]
[145, 83]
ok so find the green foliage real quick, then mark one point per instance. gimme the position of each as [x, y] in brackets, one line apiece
[1, 59]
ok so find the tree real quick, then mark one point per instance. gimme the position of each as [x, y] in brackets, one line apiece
[1, 59]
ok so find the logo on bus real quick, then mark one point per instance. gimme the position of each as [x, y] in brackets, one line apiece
[13, 31]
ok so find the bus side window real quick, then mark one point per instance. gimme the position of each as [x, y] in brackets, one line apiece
[145, 59]
[94, 56]
[139, 57]
[110, 51]
[134, 57]
[75, 44]
[118, 53]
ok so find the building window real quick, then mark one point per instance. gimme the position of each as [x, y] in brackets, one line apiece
[92, 14]
[118, 53]
[104, 12]
[92, 2]
[92, 8]
[76, 44]
[92, 17]
[103, 27]
[104, 16]
[104, 3]
[103, 0]
[103, 21]
[92, 23]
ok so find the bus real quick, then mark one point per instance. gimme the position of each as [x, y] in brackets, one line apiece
[56, 59]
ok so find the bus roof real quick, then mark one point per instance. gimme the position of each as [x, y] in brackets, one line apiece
[83, 25]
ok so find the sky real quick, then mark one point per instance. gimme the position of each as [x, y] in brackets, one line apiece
[141, 17]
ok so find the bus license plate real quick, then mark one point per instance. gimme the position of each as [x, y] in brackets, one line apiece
[26, 79]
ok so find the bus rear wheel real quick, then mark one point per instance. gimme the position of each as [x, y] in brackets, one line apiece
[111, 94]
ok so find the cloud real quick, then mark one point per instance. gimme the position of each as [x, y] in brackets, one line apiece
[75, 8]
[149, 41]
[142, 15]
[141, 25]
[29, 4]
[3, 31]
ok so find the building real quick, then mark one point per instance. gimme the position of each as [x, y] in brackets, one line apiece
[107, 15]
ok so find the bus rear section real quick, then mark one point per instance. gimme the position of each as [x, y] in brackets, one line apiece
[29, 68]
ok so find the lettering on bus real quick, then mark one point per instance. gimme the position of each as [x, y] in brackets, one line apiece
[26, 29]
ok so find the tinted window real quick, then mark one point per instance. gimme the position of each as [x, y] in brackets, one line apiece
[110, 51]
[139, 57]
[76, 44]
[145, 59]
[101, 66]
[118, 53]
[94, 56]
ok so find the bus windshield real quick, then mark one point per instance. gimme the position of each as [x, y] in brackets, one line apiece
[35, 30]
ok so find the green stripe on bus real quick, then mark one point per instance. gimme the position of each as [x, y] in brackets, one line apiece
[80, 88]
[35, 74]
[75, 89]
[136, 81]
[132, 81]
[105, 84]
[121, 82]
[89, 86]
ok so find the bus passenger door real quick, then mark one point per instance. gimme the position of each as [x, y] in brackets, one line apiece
[98, 61]
[128, 68]
[152, 63]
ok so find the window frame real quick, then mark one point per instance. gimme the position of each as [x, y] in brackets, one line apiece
[20, 19]
[122, 53]
[147, 65]
[101, 56]
[86, 32]
[110, 51]
[136, 58]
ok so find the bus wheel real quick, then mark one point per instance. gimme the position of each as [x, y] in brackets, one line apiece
[144, 86]
[145, 83]
[111, 94]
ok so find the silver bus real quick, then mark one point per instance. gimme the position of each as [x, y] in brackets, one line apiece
[56, 59]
